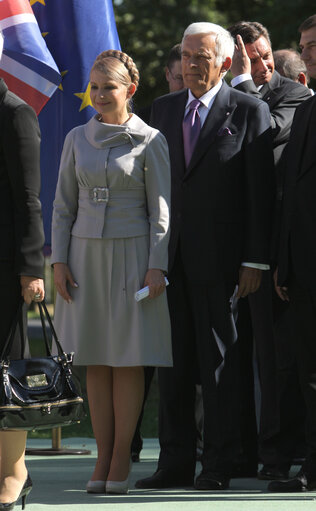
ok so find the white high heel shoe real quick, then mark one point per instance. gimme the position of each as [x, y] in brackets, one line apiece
[118, 487]
[95, 487]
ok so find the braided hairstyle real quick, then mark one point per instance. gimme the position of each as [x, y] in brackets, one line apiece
[107, 62]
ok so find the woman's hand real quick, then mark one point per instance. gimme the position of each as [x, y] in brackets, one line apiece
[155, 280]
[32, 288]
[62, 275]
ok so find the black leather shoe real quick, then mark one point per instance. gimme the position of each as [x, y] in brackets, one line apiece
[296, 484]
[273, 473]
[165, 478]
[211, 481]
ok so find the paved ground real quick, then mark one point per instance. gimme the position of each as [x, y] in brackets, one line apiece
[59, 485]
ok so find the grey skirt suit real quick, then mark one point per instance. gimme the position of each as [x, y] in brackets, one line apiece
[110, 225]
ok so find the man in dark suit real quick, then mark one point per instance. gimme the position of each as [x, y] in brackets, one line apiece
[268, 320]
[222, 191]
[297, 256]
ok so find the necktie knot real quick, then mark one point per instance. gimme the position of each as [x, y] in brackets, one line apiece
[194, 105]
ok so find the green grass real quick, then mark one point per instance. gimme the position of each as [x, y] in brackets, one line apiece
[83, 429]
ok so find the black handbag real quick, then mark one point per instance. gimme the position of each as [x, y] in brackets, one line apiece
[38, 393]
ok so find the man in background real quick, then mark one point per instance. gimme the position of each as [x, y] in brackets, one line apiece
[296, 280]
[173, 76]
[288, 63]
[254, 73]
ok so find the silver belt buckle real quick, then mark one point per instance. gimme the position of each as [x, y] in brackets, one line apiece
[100, 194]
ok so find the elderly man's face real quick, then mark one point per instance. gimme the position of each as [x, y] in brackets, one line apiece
[262, 63]
[308, 49]
[198, 63]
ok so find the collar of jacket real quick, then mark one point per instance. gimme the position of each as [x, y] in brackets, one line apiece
[101, 135]
[272, 84]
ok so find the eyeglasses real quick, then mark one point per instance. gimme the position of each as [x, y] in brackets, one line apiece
[176, 78]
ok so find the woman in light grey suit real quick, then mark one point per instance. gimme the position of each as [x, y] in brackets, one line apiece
[110, 238]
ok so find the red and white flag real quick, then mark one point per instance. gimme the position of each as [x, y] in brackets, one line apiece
[26, 64]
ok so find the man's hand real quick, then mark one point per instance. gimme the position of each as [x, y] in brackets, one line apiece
[241, 62]
[62, 275]
[155, 280]
[280, 290]
[249, 281]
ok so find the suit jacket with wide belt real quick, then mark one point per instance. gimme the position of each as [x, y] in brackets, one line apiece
[297, 249]
[21, 229]
[114, 182]
[221, 204]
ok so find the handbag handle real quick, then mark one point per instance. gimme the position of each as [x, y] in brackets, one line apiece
[18, 319]
[44, 313]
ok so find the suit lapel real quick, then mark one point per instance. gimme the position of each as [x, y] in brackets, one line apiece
[217, 116]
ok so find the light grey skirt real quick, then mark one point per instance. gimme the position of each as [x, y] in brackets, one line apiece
[105, 325]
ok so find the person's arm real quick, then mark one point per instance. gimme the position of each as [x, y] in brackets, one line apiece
[64, 215]
[22, 158]
[157, 182]
[259, 197]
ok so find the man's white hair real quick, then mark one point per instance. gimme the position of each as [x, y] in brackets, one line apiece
[1, 43]
[224, 43]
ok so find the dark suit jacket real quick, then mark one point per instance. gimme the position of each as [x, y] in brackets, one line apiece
[298, 231]
[221, 205]
[283, 96]
[21, 228]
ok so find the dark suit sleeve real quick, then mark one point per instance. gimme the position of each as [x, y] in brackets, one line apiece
[22, 159]
[259, 185]
[283, 102]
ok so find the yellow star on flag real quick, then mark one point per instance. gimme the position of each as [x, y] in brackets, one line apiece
[63, 73]
[32, 2]
[85, 96]
[44, 34]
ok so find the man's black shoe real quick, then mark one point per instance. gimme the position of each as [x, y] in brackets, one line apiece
[165, 478]
[296, 484]
[273, 473]
[211, 481]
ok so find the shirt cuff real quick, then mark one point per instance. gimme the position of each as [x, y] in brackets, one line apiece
[258, 266]
[240, 78]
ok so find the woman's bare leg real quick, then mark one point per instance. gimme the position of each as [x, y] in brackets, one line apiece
[13, 471]
[99, 388]
[128, 392]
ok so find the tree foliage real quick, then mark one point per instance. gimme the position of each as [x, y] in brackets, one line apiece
[149, 28]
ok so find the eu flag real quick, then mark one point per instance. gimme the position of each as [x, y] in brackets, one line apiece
[75, 31]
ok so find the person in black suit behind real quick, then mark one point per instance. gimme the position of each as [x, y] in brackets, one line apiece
[21, 258]
[263, 316]
[296, 276]
[220, 219]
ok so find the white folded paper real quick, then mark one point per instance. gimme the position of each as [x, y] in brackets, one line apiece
[142, 293]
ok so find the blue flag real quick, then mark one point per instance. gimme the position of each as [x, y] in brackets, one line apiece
[75, 32]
